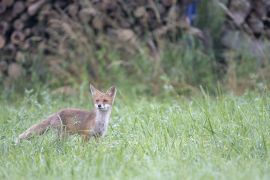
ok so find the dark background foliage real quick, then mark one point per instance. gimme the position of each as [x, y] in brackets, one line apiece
[155, 46]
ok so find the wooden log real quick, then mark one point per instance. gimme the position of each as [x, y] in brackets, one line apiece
[124, 22]
[140, 12]
[18, 24]
[54, 15]
[108, 5]
[125, 35]
[17, 37]
[3, 27]
[2, 41]
[60, 4]
[162, 11]
[239, 10]
[18, 8]
[140, 2]
[27, 32]
[98, 23]
[266, 2]
[73, 10]
[156, 14]
[10, 50]
[7, 16]
[15, 71]
[7, 3]
[24, 17]
[3, 66]
[138, 29]
[35, 32]
[44, 12]
[32, 9]
[168, 3]
[260, 9]
[25, 45]
[255, 23]
[29, 2]
[3, 8]
[86, 14]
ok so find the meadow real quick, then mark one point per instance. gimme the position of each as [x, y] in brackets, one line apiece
[197, 137]
[164, 125]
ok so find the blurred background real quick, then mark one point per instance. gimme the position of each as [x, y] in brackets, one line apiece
[152, 47]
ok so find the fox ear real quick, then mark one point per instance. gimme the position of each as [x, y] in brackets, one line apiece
[93, 90]
[112, 91]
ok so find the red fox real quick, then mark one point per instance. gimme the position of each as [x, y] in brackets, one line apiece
[71, 121]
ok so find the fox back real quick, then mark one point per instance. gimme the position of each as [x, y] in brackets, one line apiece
[76, 121]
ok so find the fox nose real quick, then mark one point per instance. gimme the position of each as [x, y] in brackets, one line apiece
[99, 105]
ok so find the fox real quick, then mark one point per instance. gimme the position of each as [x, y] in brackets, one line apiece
[69, 121]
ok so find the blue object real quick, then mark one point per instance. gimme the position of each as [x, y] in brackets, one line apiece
[191, 11]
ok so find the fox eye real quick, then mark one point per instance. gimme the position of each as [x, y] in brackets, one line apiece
[97, 100]
[105, 100]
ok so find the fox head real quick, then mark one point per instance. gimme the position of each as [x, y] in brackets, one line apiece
[103, 101]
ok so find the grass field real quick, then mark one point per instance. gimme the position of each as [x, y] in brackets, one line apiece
[224, 137]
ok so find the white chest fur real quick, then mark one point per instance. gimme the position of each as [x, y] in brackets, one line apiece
[102, 121]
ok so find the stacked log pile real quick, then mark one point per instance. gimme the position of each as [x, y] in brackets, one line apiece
[248, 27]
[28, 25]
[25, 25]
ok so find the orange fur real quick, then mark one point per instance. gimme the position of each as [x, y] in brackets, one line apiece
[76, 121]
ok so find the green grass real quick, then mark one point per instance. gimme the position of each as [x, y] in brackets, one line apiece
[224, 137]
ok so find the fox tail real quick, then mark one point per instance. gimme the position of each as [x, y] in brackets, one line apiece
[36, 129]
[53, 121]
